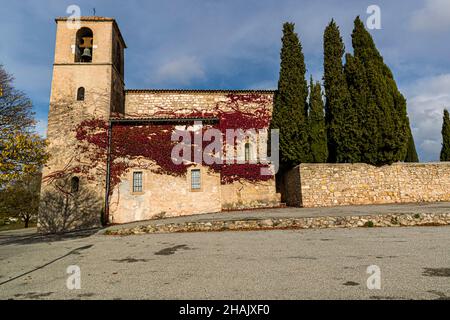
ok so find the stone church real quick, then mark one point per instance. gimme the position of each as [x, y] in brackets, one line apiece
[115, 145]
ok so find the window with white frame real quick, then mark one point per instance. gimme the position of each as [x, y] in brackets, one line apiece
[195, 179]
[137, 181]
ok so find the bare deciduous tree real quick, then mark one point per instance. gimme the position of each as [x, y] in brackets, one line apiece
[65, 207]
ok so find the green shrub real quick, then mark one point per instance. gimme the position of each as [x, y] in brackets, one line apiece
[369, 224]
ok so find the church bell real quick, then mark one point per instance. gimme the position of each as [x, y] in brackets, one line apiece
[86, 54]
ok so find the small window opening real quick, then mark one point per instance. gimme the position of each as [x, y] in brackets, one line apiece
[74, 184]
[247, 152]
[80, 94]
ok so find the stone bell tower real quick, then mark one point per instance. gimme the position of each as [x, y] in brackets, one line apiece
[88, 83]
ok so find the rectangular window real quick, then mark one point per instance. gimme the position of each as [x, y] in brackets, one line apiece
[137, 181]
[195, 179]
[247, 152]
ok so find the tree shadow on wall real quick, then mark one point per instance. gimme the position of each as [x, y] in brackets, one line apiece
[64, 207]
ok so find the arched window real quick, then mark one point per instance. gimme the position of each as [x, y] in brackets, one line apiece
[84, 45]
[74, 184]
[247, 152]
[80, 94]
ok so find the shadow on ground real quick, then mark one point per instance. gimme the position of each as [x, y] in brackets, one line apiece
[21, 237]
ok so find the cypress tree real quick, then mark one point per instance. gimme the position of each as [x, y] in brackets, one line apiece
[384, 104]
[411, 153]
[366, 133]
[317, 128]
[340, 116]
[445, 152]
[290, 101]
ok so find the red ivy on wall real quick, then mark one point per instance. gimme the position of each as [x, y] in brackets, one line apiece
[132, 143]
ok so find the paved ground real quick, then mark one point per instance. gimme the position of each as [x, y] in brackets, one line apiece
[291, 264]
[291, 212]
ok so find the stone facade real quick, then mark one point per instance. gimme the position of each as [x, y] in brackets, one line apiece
[150, 103]
[105, 103]
[320, 185]
[168, 196]
[102, 80]
[164, 196]
[245, 195]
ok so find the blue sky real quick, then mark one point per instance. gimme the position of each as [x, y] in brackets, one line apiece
[235, 44]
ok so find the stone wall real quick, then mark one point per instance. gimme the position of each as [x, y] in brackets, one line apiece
[103, 89]
[356, 184]
[149, 102]
[321, 222]
[166, 196]
[245, 195]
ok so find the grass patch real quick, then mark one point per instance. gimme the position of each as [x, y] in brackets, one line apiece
[15, 226]
[369, 224]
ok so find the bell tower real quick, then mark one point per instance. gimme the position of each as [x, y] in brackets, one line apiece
[89, 54]
[87, 83]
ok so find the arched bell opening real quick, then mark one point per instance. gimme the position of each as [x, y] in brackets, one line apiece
[84, 45]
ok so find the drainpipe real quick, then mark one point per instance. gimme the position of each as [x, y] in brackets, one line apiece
[108, 165]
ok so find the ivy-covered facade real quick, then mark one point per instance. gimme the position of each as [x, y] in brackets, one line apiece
[144, 154]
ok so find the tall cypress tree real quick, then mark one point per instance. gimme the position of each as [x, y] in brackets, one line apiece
[316, 121]
[445, 152]
[411, 153]
[341, 120]
[384, 104]
[290, 101]
[364, 107]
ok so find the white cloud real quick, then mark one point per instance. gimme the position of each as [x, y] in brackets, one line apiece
[427, 98]
[181, 71]
[264, 85]
[434, 16]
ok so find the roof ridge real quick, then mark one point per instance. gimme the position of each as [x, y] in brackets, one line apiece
[86, 18]
[202, 90]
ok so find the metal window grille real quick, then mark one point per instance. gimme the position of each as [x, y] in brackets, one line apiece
[137, 181]
[195, 179]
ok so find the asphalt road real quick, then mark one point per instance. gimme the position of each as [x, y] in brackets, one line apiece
[294, 264]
